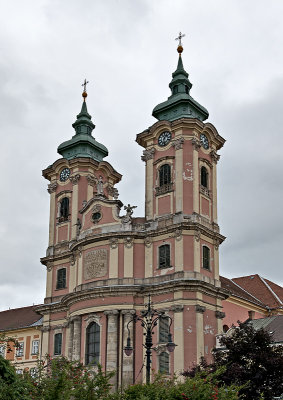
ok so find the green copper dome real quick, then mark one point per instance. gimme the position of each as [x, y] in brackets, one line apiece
[83, 143]
[180, 104]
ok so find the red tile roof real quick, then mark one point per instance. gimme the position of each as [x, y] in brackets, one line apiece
[266, 291]
[237, 291]
[19, 318]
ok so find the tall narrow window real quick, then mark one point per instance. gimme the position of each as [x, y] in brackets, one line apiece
[57, 344]
[164, 256]
[175, 89]
[206, 257]
[204, 177]
[186, 89]
[64, 209]
[164, 175]
[35, 347]
[163, 329]
[61, 278]
[20, 349]
[2, 350]
[164, 363]
[92, 343]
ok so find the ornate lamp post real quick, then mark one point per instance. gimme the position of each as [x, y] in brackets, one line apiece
[149, 318]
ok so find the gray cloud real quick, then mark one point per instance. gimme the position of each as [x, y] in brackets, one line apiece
[126, 49]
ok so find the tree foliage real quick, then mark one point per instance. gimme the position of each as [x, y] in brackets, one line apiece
[60, 379]
[251, 360]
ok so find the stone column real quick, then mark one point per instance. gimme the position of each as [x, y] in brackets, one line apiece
[199, 327]
[77, 338]
[70, 344]
[128, 361]
[178, 339]
[112, 344]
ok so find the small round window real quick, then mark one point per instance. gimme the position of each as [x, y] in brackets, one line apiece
[96, 216]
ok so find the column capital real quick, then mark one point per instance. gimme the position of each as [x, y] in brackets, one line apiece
[76, 318]
[178, 143]
[52, 187]
[200, 309]
[177, 308]
[130, 312]
[219, 314]
[148, 154]
[111, 312]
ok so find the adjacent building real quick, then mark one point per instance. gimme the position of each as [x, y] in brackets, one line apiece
[24, 326]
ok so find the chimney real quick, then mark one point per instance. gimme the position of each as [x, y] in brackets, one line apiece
[251, 314]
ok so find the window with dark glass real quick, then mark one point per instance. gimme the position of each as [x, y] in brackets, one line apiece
[205, 257]
[186, 89]
[164, 256]
[164, 363]
[175, 89]
[57, 344]
[61, 278]
[164, 175]
[64, 208]
[204, 177]
[20, 349]
[163, 329]
[92, 343]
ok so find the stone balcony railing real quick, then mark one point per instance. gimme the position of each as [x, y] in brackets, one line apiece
[163, 189]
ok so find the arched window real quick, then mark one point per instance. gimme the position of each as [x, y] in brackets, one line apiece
[61, 278]
[163, 329]
[164, 256]
[175, 89]
[205, 257]
[164, 175]
[164, 363]
[204, 177]
[64, 209]
[57, 344]
[92, 343]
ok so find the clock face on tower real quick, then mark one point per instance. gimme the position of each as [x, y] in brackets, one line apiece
[64, 174]
[164, 138]
[204, 141]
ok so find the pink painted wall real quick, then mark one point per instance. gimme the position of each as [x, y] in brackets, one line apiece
[235, 312]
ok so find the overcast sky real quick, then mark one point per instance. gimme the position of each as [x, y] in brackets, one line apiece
[233, 53]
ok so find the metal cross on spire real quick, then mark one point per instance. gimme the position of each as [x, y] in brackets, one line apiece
[84, 84]
[181, 35]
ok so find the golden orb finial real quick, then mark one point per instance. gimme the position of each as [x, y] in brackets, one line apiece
[84, 94]
[180, 47]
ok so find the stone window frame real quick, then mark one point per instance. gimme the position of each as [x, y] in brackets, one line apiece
[159, 356]
[57, 332]
[169, 187]
[165, 316]
[20, 349]
[158, 255]
[206, 190]
[209, 258]
[90, 320]
[2, 350]
[57, 270]
[33, 347]
[60, 196]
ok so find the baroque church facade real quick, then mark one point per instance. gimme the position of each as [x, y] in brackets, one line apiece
[103, 265]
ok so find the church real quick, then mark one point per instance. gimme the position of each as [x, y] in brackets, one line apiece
[108, 270]
[103, 263]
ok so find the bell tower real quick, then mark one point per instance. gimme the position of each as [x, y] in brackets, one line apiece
[181, 161]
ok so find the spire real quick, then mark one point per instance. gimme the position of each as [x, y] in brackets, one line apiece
[180, 104]
[83, 143]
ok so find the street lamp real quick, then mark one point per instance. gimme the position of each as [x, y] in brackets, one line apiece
[149, 318]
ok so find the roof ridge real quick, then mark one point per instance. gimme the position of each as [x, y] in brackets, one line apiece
[272, 292]
[246, 291]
